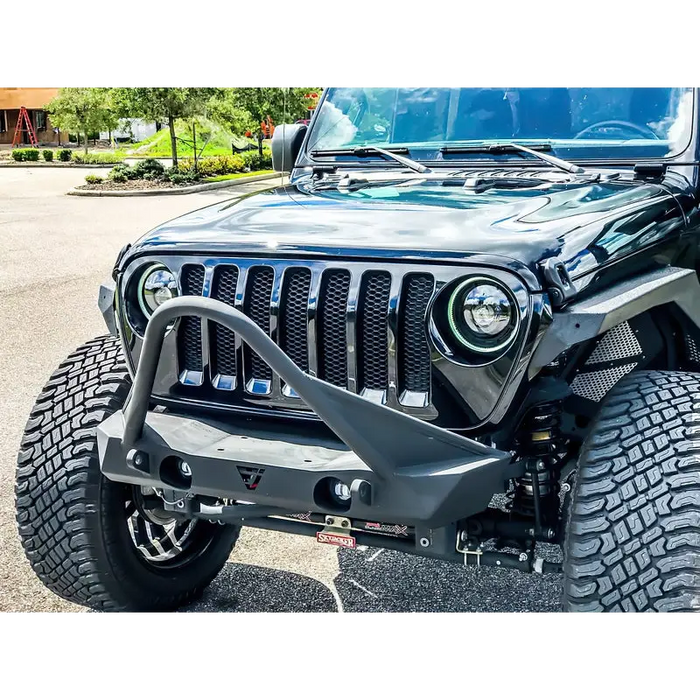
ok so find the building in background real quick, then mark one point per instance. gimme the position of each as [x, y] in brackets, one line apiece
[34, 99]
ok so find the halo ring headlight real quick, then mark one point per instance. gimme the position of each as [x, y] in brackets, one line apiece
[156, 286]
[483, 316]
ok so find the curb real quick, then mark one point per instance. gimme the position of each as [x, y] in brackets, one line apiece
[57, 165]
[172, 190]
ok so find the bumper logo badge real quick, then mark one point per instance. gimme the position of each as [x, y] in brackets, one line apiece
[251, 477]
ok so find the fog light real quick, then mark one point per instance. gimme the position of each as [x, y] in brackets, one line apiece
[340, 491]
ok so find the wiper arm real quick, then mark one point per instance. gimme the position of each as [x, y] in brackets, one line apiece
[364, 151]
[511, 147]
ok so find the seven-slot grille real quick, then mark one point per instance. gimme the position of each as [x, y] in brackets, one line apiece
[361, 329]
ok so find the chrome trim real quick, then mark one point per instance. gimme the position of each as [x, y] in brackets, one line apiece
[289, 392]
[224, 382]
[190, 377]
[275, 294]
[351, 329]
[259, 387]
[374, 395]
[312, 313]
[206, 292]
[415, 399]
[392, 336]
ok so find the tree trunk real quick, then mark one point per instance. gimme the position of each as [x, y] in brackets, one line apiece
[86, 142]
[260, 143]
[173, 140]
[194, 144]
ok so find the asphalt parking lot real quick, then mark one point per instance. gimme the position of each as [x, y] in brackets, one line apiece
[54, 252]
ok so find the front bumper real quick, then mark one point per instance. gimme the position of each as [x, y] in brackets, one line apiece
[399, 469]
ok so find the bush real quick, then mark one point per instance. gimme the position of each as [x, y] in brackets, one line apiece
[186, 178]
[149, 169]
[64, 154]
[25, 154]
[92, 158]
[121, 173]
[48, 155]
[216, 165]
[93, 179]
[254, 161]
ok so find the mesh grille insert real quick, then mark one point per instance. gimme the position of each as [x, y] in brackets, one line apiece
[293, 316]
[616, 344]
[414, 355]
[373, 358]
[223, 340]
[190, 330]
[257, 307]
[332, 334]
[595, 385]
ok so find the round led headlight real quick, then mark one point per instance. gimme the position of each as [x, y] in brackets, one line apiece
[482, 315]
[156, 286]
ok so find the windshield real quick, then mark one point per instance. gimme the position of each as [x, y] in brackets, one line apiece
[579, 123]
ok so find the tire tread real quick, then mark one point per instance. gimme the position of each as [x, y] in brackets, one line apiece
[65, 522]
[633, 536]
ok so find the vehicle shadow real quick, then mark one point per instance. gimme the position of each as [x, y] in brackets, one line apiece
[382, 581]
[248, 588]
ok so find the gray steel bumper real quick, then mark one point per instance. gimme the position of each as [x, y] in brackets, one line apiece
[399, 469]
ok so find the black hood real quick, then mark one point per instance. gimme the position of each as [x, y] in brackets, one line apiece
[584, 223]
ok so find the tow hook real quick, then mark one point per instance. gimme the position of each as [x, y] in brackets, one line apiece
[337, 531]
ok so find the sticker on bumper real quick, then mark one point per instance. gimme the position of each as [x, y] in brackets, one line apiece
[338, 540]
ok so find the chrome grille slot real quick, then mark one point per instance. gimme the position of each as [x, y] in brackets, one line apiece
[414, 351]
[258, 298]
[294, 337]
[372, 331]
[189, 335]
[331, 329]
[222, 340]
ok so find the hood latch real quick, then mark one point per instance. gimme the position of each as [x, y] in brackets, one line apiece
[559, 285]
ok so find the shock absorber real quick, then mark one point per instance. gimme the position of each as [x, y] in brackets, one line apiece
[539, 444]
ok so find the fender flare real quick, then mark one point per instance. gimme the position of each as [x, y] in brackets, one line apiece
[600, 312]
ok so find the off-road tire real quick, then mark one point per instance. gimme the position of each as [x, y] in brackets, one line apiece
[633, 536]
[71, 519]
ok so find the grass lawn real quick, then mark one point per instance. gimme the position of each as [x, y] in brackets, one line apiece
[158, 145]
[235, 176]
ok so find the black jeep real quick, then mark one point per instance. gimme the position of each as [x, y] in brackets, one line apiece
[469, 324]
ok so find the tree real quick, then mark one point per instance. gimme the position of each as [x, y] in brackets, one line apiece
[164, 104]
[280, 104]
[225, 110]
[83, 110]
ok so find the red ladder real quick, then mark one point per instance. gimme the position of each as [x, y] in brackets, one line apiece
[28, 128]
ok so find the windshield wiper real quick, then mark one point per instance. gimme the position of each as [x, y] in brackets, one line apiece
[511, 147]
[364, 151]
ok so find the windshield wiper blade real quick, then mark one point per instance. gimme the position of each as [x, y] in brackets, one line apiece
[511, 147]
[364, 151]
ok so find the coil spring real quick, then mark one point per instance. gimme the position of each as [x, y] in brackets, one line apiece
[539, 443]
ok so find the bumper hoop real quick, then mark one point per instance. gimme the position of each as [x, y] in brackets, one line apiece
[396, 468]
